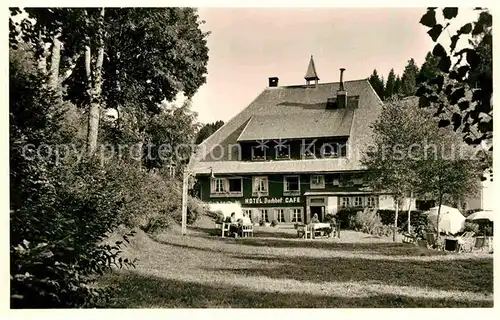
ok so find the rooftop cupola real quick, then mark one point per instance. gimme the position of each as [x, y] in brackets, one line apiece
[311, 74]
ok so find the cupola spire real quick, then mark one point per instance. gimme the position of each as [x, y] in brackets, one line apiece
[311, 74]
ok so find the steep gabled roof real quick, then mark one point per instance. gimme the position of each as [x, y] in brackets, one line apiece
[330, 123]
[311, 73]
[285, 104]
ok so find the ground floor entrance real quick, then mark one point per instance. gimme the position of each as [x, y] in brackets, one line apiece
[320, 211]
[322, 205]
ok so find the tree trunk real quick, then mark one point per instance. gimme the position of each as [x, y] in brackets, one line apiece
[42, 58]
[93, 116]
[438, 216]
[72, 64]
[95, 80]
[409, 212]
[395, 221]
[54, 65]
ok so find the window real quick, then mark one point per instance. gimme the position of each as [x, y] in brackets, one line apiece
[330, 150]
[343, 149]
[308, 149]
[358, 201]
[317, 182]
[260, 186]
[227, 187]
[345, 202]
[263, 215]
[370, 202]
[346, 181]
[291, 185]
[336, 182]
[317, 200]
[358, 181]
[235, 185]
[248, 212]
[259, 152]
[218, 185]
[280, 215]
[282, 150]
[296, 215]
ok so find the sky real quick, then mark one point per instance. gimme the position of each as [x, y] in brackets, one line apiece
[249, 45]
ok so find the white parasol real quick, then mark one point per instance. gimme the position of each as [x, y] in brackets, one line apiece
[450, 219]
[482, 215]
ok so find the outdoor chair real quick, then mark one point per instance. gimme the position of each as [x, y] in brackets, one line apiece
[480, 244]
[466, 242]
[408, 238]
[433, 243]
[303, 231]
[333, 234]
[247, 230]
[431, 239]
[225, 228]
[422, 243]
[483, 243]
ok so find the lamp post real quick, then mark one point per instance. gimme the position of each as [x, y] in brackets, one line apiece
[185, 180]
[185, 185]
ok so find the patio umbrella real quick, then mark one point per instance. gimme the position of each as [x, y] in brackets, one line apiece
[450, 219]
[482, 215]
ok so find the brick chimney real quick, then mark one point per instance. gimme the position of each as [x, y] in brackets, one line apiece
[341, 93]
[273, 81]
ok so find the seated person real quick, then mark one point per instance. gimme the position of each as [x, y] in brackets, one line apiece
[315, 218]
[246, 219]
[333, 223]
[234, 226]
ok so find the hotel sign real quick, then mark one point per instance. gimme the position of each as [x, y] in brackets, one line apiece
[266, 200]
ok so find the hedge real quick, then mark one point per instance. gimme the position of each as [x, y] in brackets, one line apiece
[346, 217]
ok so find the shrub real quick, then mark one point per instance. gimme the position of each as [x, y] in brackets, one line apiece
[346, 217]
[488, 230]
[61, 211]
[367, 221]
[195, 209]
[56, 240]
[218, 216]
[417, 218]
[274, 223]
[470, 227]
[153, 202]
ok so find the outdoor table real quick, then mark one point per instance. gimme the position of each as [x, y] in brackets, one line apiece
[451, 244]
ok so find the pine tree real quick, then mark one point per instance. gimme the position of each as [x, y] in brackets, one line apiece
[409, 79]
[390, 84]
[377, 84]
[397, 86]
[430, 68]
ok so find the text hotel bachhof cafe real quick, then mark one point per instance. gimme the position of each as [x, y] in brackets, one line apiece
[293, 152]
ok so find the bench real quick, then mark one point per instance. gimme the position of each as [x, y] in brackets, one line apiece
[223, 227]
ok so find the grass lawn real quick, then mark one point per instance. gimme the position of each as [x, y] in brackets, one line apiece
[200, 270]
